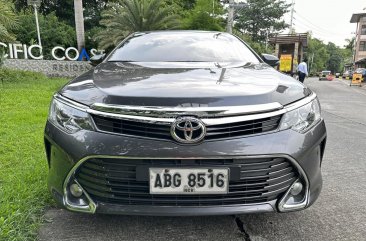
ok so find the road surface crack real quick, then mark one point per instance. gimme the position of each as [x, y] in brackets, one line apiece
[241, 228]
[344, 118]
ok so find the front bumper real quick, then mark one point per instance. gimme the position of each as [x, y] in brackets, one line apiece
[65, 151]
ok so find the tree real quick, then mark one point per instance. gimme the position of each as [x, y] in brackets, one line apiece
[349, 49]
[319, 50]
[259, 16]
[335, 62]
[205, 16]
[258, 47]
[8, 22]
[350, 43]
[127, 16]
[79, 24]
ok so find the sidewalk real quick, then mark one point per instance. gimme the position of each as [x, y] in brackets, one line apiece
[347, 82]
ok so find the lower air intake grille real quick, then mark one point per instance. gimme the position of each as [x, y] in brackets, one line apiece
[115, 181]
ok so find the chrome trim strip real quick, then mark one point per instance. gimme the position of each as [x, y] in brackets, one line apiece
[169, 112]
[167, 121]
[90, 208]
[93, 206]
[226, 120]
[160, 112]
[282, 207]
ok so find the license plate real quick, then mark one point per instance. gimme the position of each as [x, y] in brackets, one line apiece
[189, 180]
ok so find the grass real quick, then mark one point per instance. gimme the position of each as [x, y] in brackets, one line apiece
[24, 102]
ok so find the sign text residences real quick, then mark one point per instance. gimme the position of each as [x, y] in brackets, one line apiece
[18, 51]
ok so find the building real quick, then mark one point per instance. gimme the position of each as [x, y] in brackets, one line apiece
[359, 58]
[290, 50]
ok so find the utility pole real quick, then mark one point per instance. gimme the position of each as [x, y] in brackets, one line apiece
[267, 36]
[230, 17]
[292, 16]
[231, 14]
[311, 63]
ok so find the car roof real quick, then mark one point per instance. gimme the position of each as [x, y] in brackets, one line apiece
[180, 31]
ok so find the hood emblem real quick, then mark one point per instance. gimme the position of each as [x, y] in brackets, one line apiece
[188, 130]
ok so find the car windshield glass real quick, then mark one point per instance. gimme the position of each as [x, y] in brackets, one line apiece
[183, 47]
[326, 72]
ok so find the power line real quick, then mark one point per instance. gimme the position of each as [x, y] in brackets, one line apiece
[320, 33]
[304, 25]
[314, 25]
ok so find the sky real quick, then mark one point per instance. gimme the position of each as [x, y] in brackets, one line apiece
[329, 20]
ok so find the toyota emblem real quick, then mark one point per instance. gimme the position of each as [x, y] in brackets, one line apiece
[188, 130]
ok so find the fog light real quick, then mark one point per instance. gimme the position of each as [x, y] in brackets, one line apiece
[296, 188]
[76, 190]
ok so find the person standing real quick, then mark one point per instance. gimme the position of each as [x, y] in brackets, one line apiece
[302, 70]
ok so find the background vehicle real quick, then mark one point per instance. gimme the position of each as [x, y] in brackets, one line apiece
[347, 74]
[324, 75]
[337, 75]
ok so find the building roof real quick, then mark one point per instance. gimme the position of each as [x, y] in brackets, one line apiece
[361, 61]
[356, 17]
[290, 39]
[348, 65]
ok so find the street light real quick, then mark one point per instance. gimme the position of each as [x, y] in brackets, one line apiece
[36, 4]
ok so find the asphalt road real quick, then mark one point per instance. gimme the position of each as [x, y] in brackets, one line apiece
[339, 213]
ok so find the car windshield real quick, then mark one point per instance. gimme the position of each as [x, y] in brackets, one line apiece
[183, 47]
[326, 72]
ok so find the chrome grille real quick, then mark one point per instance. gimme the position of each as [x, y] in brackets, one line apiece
[162, 131]
[125, 181]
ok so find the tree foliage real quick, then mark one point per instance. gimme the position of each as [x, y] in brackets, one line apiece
[205, 16]
[260, 16]
[53, 32]
[64, 10]
[335, 61]
[8, 22]
[317, 55]
[327, 56]
[258, 47]
[127, 16]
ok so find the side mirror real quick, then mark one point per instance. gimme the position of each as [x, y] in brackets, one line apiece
[97, 59]
[271, 60]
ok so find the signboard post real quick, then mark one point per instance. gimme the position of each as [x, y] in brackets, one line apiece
[356, 80]
[286, 63]
[36, 4]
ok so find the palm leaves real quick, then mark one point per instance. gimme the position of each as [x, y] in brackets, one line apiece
[126, 16]
[8, 21]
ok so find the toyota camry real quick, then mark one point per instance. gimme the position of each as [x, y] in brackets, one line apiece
[181, 123]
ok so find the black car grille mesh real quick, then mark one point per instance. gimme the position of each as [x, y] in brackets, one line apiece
[115, 181]
[161, 131]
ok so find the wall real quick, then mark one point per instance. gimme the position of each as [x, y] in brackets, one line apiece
[360, 54]
[54, 68]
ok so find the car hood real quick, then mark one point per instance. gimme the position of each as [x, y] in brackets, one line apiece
[184, 84]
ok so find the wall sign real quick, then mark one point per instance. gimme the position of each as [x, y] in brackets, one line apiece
[23, 51]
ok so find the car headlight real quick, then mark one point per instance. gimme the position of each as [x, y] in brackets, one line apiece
[302, 118]
[68, 118]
